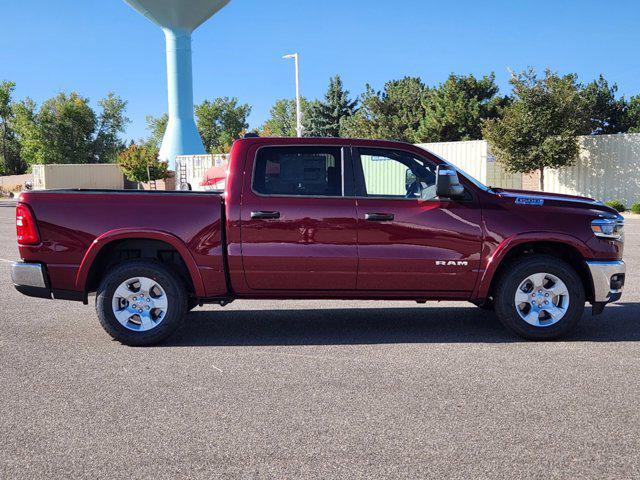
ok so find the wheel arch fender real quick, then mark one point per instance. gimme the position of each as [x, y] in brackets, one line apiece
[107, 238]
[495, 259]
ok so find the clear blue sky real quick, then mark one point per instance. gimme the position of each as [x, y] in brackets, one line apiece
[96, 46]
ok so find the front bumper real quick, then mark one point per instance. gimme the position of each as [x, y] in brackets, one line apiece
[30, 279]
[608, 280]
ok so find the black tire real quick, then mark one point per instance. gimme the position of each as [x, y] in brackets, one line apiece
[518, 272]
[192, 303]
[171, 284]
[488, 305]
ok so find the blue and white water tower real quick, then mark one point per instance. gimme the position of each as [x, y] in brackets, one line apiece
[178, 19]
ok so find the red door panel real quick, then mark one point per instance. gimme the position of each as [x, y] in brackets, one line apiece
[408, 238]
[312, 246]
[428, 246]
[309, 239]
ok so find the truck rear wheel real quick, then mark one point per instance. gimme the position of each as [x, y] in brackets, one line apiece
[540, 298]
[141, 302]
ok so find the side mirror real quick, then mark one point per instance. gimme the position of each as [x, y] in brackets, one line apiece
[447, 183]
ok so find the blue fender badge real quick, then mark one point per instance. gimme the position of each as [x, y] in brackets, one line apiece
[529, 201]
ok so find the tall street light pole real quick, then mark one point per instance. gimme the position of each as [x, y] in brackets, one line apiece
[298, 106]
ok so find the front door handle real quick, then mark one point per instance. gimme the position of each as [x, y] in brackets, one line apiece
[265, 215]
[379, 217]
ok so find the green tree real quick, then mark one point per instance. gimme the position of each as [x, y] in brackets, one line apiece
[455, 110]
[221, 122]
[392, 114]
[365, 123]
[11, 163]
[61, 131]
[26, 131]
[65, 129]
[604, 113]
[323, 118]
[632, 115]
[140, 163]
[111, 122]
[156, 127]
[539, 128]
[282, 120]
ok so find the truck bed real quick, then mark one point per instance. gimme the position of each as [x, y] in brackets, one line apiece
[82, 222]
[132, 192]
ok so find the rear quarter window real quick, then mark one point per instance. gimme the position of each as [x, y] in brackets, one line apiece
[298, 171]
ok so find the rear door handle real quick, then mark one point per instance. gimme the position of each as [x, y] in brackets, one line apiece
[379, 217]
[265, 215]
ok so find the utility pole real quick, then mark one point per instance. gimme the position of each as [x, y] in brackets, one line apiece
[296, 57]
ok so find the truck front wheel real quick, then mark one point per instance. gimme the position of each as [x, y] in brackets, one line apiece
[540, 297]
[141, 302]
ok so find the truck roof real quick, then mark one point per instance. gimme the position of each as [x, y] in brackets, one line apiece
[324, 141]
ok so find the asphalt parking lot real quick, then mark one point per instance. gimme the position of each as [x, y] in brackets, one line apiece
[291, 390]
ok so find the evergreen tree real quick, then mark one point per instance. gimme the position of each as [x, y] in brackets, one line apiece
[392, 114]
[455, 110]
[632, 115]
[324, 117]
[604, 113]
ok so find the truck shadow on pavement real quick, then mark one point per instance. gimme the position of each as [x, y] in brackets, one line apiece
[349, 326]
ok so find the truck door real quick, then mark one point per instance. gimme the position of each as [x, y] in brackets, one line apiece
[298, 229]
[408, 239]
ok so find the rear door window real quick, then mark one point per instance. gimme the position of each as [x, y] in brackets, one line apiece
[299, 171]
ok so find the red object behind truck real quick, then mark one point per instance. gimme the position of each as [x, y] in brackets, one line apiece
[322, 219]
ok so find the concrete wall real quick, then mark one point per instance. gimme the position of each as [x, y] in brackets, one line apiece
[475, 159]
[14, 183]
[384, 177]
[103, 176]
[531, 181]
[608, 168]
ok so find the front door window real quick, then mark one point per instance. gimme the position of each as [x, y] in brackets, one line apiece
[396, 174]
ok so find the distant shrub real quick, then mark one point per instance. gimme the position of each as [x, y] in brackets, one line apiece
[635, 208]
[619, 206]
[140, 163]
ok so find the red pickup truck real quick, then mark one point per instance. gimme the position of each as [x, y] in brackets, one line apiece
[322, 219]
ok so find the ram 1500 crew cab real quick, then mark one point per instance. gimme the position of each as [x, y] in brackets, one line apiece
[322, 219]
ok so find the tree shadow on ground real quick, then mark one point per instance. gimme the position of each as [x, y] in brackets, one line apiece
[355, 326]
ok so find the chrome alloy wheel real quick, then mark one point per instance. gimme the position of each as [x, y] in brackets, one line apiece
[542, 299]
[140, 304]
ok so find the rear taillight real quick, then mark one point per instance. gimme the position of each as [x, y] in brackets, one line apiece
[26, 228]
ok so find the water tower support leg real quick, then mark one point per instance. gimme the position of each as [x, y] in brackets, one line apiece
[181, 137]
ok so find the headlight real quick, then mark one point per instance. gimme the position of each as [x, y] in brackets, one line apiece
[608, 228]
